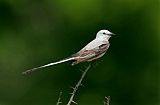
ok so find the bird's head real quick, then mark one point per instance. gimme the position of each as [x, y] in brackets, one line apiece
[104, 33]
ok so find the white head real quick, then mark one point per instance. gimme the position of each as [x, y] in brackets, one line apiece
[104, 33]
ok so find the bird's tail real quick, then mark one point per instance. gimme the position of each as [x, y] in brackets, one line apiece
[50, 64]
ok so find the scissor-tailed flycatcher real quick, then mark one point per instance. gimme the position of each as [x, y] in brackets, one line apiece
[92, 51]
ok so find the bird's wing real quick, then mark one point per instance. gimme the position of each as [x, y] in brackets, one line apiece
[92, 49]
[93, 44]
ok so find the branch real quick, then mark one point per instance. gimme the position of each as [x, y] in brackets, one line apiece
[59, 99]
[77, 85]
[106, 100]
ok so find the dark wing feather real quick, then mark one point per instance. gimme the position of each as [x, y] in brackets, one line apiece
[87, 55]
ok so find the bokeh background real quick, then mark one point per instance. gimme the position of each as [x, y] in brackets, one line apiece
[37, 32]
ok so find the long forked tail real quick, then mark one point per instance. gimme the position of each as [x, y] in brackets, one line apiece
[50, 64]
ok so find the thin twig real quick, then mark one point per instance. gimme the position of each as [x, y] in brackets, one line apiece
[59, 99]
[77, 85]
[106, 100]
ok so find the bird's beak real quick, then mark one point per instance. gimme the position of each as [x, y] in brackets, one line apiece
[112, 34]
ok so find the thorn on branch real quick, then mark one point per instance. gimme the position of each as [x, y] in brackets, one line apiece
[72, 87]
[106, 100]
[59, 99]
[71, 93]
[77, 86]
[74, 102]
[81, 85]
[81, 71]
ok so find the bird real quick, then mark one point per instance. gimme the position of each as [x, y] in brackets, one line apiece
[92, 51]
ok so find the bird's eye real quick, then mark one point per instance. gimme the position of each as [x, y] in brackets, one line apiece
[104, 33]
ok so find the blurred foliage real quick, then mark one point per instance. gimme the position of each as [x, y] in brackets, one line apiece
[36, 32]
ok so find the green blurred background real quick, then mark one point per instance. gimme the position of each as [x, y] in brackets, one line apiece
[36, 32]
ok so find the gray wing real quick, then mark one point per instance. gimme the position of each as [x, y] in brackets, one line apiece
[92, 50]
[93, 44]
[96, 51]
